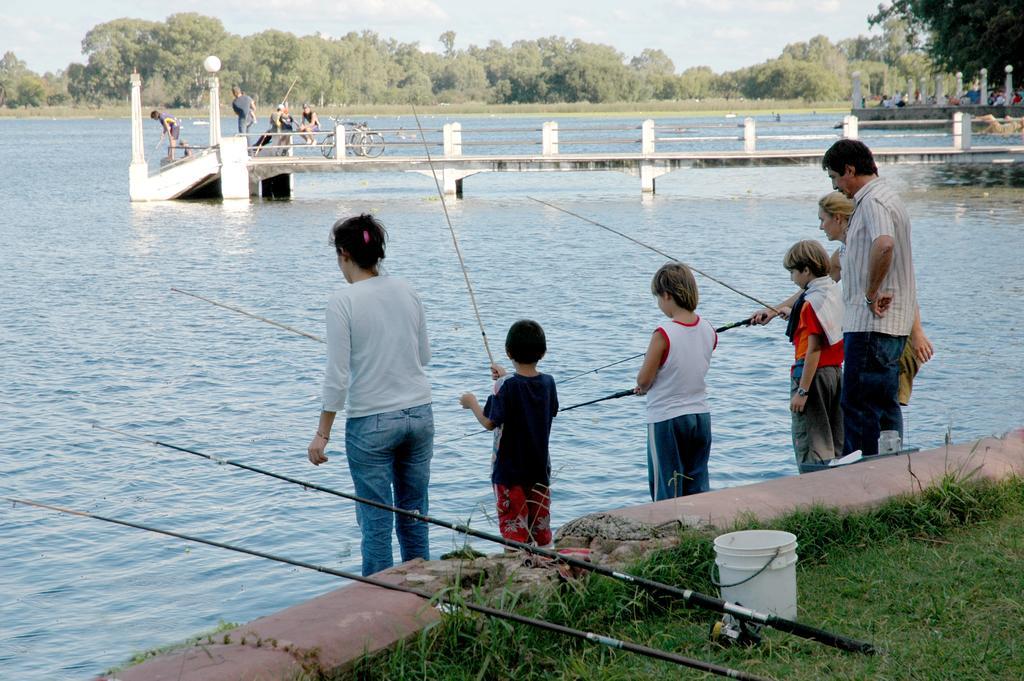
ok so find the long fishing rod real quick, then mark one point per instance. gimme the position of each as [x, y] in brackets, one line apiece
[687, 596]
[621, 393]
[455, 241]
[656, 250]
[445, 599]
[720, 329]
[250, 314]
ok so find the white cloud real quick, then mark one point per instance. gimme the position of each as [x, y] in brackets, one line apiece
[309, 11]
[731, 33]
[827, 6]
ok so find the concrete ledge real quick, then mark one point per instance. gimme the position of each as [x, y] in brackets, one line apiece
[336, 629]
[858, 486]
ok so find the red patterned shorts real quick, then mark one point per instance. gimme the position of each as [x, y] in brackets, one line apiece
[524, 514]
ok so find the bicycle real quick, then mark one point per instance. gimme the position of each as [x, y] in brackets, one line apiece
[361, 141]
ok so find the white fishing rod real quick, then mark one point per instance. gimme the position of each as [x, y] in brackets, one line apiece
[455, 241]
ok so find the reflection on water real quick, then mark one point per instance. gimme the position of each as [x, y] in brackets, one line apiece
[92, 332]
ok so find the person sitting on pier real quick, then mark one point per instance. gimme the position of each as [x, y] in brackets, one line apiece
[993, 126]
[310, 122]
[170, 127]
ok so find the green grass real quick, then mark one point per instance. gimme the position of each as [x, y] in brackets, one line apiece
[219, 634]
[709, 107]
[936, 580]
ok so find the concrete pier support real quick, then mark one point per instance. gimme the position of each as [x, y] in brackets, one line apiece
[857, 96]
[234, 170]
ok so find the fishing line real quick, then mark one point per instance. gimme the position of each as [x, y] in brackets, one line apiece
[691, 598]
[250, 314]
[441, 598]
[455, 241]
[656, 250]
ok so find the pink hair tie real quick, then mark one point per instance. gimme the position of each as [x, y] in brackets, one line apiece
[366, 236]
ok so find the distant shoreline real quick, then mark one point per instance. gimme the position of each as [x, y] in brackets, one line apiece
[711, 107]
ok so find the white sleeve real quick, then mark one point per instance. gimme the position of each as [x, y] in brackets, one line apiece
[339, 352]
[424, 340]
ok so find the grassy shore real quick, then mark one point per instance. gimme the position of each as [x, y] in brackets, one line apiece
[709, 107]
[935, 580]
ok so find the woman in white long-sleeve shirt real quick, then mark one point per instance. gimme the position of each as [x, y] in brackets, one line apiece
[376, 349]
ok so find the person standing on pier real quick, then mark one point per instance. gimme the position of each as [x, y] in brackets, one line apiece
[879, 295]
[377, 347]
[171, 128]
[244, 108]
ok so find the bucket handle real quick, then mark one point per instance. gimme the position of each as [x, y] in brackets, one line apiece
[714, 581]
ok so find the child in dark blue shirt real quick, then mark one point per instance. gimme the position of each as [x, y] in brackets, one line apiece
[521, 409]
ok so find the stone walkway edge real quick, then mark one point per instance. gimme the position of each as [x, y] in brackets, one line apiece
[334, 630]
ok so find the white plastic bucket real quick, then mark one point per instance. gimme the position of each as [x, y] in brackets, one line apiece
[765, 562]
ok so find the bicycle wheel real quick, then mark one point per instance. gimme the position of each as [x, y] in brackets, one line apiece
[355, 143]
[373, 144]
[327, 146]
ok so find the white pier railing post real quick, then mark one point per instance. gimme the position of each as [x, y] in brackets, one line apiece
[856, 96]
[446, 140]
[850, 127]
[456, 139]
[549, 138]
[340, 136]
[940, 90]
[647, 137]
[138, 171]
[138, 148]
[959, 85]
[749, 135]
[1008, 87]
[961, 131]
[214, 83]
[984, 87]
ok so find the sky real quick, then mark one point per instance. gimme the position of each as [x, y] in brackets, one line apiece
[722, 34]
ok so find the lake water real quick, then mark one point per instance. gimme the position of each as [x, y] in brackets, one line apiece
[90, 331]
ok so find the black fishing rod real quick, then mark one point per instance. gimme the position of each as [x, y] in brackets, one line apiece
[656, 250]
[446, 600]
[613, 396]
[687, 596]
[720, 329]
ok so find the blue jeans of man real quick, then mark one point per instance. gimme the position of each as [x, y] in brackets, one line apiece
[870, 396]
[391, 451]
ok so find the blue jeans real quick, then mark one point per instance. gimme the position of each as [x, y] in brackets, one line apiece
[870, 389]
[677, 456]
[388, 450]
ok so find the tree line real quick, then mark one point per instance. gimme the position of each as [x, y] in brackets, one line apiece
[365, 68]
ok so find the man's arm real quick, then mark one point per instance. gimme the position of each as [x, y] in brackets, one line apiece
[879, 262]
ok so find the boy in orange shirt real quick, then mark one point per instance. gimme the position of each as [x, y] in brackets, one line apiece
[816, 331]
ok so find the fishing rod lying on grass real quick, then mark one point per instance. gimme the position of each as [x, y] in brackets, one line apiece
[442, 599]
[687, 596]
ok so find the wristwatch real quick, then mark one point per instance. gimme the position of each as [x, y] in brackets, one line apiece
[868, 301]
[801, 392]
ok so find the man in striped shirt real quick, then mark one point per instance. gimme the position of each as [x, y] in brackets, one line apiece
[879, 296]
